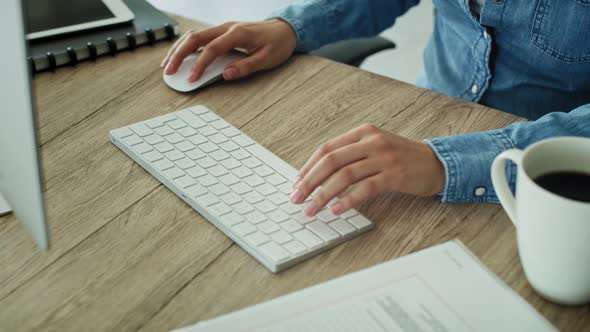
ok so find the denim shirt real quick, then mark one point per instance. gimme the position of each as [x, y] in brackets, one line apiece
[528, 58]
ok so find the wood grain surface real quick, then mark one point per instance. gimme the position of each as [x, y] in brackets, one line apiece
[127, 254]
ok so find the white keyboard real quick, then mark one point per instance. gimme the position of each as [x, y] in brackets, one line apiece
[238, 185]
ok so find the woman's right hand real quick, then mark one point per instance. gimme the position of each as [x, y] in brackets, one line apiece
[268, 43]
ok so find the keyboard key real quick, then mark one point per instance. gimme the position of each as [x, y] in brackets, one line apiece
[207, 180]
[265, 206]
[217, 138]
[195, 154]
[191, 119]
[153, 139]
[229, 146]
[257, 239]
[322, 230]
[242, 172]
[207, 130]
[197, 139]
[174, 155]
[206, 162]
[286, 188]
[254, 180]
[185, 163]
[209, 117]
[266, 189]
[176, 124]
[196, 191]
[278, 216]
[164, 131]
[219, 189]
[291, 208]
[326, 215]
[230, 132]
[187, 132]
[132, 140]
[253, 197]
[153, 156]
[219, 124]
[153, 123]
[141, 129]
[229, 179]
[268, 227]
[291, 226]
[217, 170]
[241, 188]
[231, 163]
[208, 147]
[244, 229]
[277, 198]
[255, 217]
[142, 148]
[302, 218]
[241, 154]
[122, 132]
[173, 173]
[220, 209]
[308, 238]
[359, 221]
[185, 181]
[342, 227]
[231, 198]
[251, 162]
[295, 247]
[184, 146]
[164, 147]
[276, 179]
[281, 237]
[219, 155]
[349, 213]
[174, 138]
[243, 208]
[264, 170]
[232, 219]
[196, 172]
[207, 199]
[199, 109]
[242, 140]
[274, 252]
[163, 164]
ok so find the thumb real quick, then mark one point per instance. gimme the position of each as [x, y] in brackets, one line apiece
[245, 67]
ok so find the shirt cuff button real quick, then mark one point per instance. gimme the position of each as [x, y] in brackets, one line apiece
[480, 191]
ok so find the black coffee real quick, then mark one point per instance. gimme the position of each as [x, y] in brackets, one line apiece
[573, 185]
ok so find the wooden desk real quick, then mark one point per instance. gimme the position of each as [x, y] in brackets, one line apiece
[128, 255]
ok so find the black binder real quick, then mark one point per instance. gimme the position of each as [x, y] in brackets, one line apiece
[149, 26]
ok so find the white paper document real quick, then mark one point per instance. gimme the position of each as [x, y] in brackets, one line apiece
[442, 288]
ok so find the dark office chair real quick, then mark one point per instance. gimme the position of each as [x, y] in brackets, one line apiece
[354, 51]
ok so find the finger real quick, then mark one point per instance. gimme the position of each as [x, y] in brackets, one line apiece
[173, 48]
[325, 167]
[367, 188]
[190, 44]
[217, 47]
[331, 145]
[246, 66]
[341, 180]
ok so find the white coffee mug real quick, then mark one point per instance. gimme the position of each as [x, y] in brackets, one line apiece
[553, 232]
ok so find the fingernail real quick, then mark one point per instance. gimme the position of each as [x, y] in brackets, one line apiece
[231, 73]
[311, 209]
[163, 63]
[192, 77]
[168, 69]
[337, 208]
[296, 182]
[297, 197]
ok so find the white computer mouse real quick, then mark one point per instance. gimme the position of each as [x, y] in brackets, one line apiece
[213, 73]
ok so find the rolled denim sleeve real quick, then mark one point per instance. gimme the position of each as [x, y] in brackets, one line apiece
[320, 22]
[467, 158]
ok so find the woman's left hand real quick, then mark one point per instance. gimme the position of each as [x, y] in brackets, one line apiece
[376, 160]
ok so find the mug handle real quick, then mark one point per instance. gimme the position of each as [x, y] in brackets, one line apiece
[501, 184]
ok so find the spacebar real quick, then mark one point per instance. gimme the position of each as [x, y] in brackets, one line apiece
[272, 161]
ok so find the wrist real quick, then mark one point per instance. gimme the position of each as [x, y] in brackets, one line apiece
[286, 31]
[436, 171]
